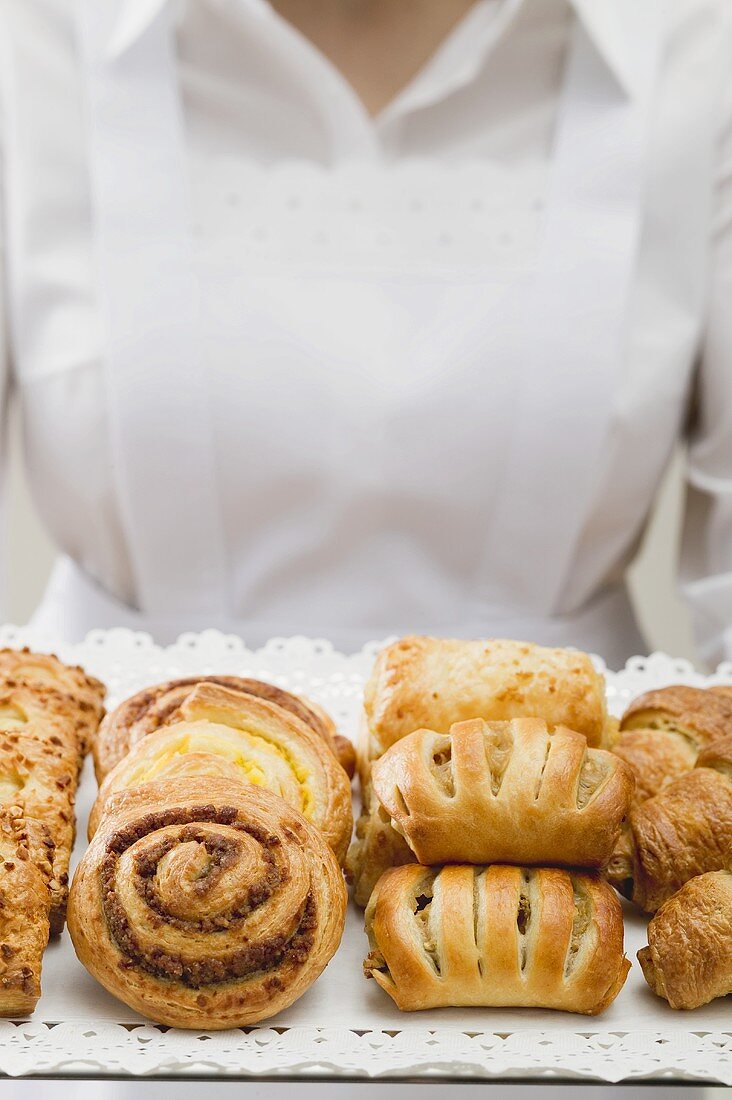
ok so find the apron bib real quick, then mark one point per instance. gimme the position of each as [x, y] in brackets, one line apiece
[559, 327]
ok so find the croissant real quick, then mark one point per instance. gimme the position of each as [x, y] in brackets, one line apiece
[83, 695]
[696, 715]
[203, 903]
[431, 683]
[504, 792]
[24, 912]
[153, 707]
[655, 757]
[683, 831]
[496, 936]
[688, 960]
[230, 733]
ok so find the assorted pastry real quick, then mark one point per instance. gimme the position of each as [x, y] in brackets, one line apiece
[49, 712]
[502, 807]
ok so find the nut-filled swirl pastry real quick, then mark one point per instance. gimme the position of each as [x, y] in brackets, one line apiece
[504, 792]
[432, 683]
[688, 960]
[232, 734]
[157, 706]
[203, 903]
[684, 831]
[496, 937]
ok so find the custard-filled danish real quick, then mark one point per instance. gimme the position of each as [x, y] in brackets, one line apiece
[684, 831]
[232, 734]
[432, 683]
[157, 706]
[24, 911]
[688, 960]
[203, 903]
[497, 937]
[504, 792]
[83, 694]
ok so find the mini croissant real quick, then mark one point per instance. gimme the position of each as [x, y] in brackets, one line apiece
[496, 937]
[504, 792]
[689, 955]
[684, 831]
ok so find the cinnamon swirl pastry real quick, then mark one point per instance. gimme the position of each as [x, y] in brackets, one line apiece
[154, 707]
[203, 903]
[504, 792]
[24, 911]
[496, 937]
[688, 960]
[83, 695]
[432, 683]
[227, 733]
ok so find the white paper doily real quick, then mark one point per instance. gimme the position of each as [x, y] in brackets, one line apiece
[62, 1039]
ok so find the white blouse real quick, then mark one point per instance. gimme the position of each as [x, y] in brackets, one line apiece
[352, 274]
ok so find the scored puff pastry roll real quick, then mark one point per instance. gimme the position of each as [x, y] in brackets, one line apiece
[229, 733]
[688, 960]
[431, 683]
[496, 937]
[203, 903]
[157, 706]
[504, 792]
[684, 831]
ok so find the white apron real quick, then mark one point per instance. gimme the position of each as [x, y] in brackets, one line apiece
[561, 326]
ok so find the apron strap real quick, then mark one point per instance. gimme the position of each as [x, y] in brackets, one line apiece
[160, 417]
[568, 333]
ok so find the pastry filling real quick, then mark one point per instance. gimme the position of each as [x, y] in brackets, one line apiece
[261, 957]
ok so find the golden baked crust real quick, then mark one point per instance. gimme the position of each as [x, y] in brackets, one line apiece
[24, 909]
[697, 714]
[504, 792]
[84, 694]
[684, 831]
[47, 713]
[376, 847]
[216, 731]
[41, 781]
[496, 936]
[154, 707]
[688, 960]
[203, 903]
[422, 682]
[655, 758]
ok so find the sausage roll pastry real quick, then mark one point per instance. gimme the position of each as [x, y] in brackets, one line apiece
[696, 715]
[683, 831]
[433, 682]
[504, 792]
[156, 706]
[497, 937]
[24, 909]
[84, 695]
[217, 731]
[40, 778]
[688, 960]
[203, 903]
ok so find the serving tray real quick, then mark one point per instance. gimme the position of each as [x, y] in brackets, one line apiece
[345, 1027]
